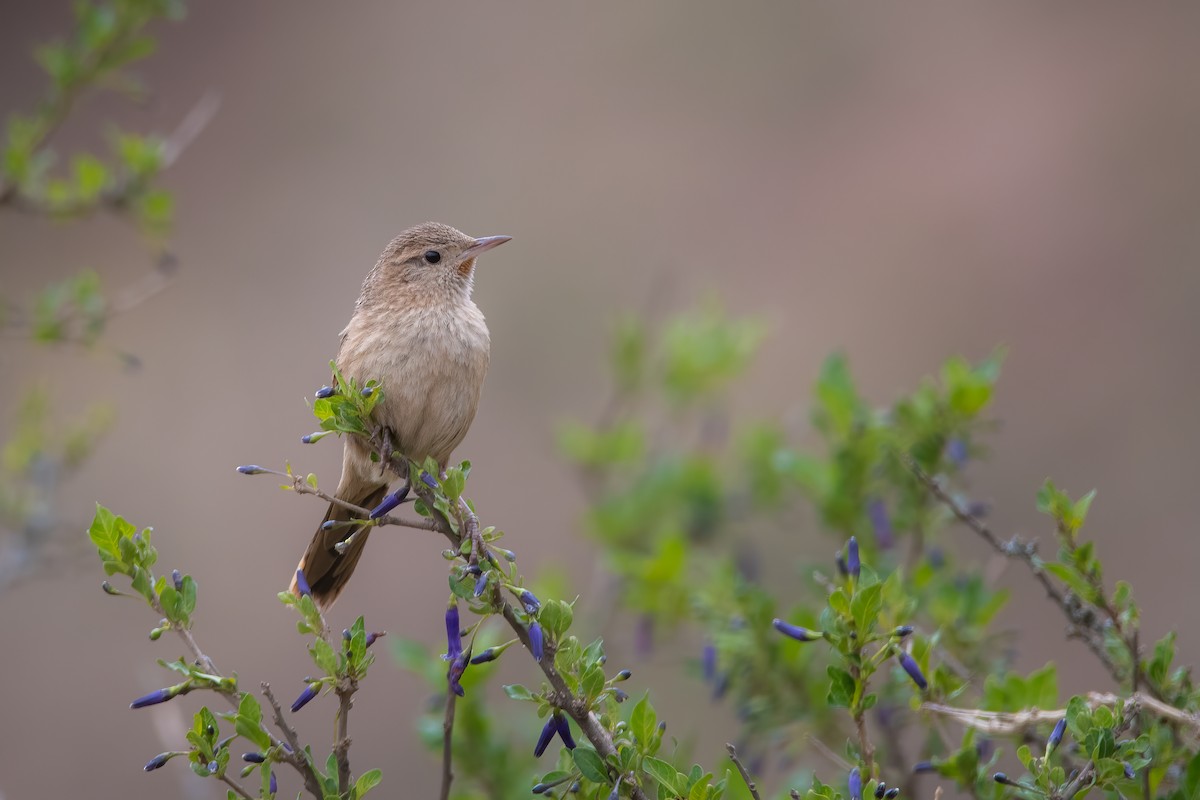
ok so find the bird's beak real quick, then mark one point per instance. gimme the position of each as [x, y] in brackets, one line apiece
[483, 245]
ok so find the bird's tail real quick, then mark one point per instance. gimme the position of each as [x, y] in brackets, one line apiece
[325, 569]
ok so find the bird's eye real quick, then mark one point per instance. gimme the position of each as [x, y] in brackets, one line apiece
[432, 256]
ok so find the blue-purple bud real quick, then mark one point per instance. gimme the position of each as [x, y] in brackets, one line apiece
[325, 392]
[491, 654]
[156, 697]
[880, 788]
[853, 564]
[841, 565]
[428, 480]
[623, 675]
[330, 524]
[177, 579]
[721, 686]
[158, 761]
[854, 784]
[564, 731]
[481, 583]
[509, 555]
[1129, 773]
[881, 524]
[892, 793]
[620, 696]
[535, 641]
[923, 766]
[310, 691]
[251, 469]
[795, 631]
[108, 589]
[253, 758]
[902, 631]
[454, 675]
[548, 731]
[346, 634]
[273, 785]
[708, 662]
[302, 584]
[956, 451]
[372, 636]
[542, 788]
[453, 637]
[1003, 779]
[390, 502]
[914, 672]
[531, 603]
[308, 438]
[1056, 735]
[213, 767]
[367, 391]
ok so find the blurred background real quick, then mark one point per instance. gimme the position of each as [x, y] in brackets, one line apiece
[902, 185]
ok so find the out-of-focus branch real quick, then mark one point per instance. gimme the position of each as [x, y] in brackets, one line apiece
[737, 762]
[448, 745]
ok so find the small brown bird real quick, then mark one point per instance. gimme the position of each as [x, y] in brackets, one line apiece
[416, 330]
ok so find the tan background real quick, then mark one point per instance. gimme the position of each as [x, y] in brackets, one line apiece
[903, 184]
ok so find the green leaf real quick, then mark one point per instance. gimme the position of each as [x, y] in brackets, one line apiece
[516, 691]
[643, 722]
[665, 774]
[367, 781]
[841, 687]
[590, 764]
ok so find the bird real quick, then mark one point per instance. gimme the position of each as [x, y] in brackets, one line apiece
[416, 330]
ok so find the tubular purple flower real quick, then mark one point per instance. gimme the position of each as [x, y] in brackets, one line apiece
[531, 603]
[923, 766]
[428, 480]
[881, 523]
[373, 636]
[902, 631]
[708, 662]
[324, 392]
[795, 631]
[853, 564]
[536, 644]
[390, 502]
[454, 675]
[491, 654]
[914, 672]
[254, 758]
[306, 696]
[854, 784]
[251, 469]
[453, 637]
[880, 788]
[302, 584]
[177, 580]
[158, 761]
[156, 697]
[892, 793]
[564, 731]
[548, 731]
[481, 583]
[273, 786]
[620, 695]
[1056, 735]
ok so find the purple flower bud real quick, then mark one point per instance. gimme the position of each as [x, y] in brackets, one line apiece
[1129, 773]
[881, 524]
[923, 766]
[454, 675]
[428, 480]
[623, 675]
[390, 502]
[253, 758]
[156, 697]
[892, 793]
[535, 641]
[346, 635]
[213, 767]
[325, 392]
[310, 691]
[853, 565]
[548, 731]
[854, 784]
[367, 391]
[273, 786]
[620, 696]
[1056, 735]
[564, 731]
[796, 632]
[308, 438]
[330, 524]
[108, 589]
[251, 469]
[481, 583]
[708, 662]
[158, 761]
[531, 603]
[491, 654]
[937, 559]
[177, 579]
[721, 686]
[542, 788]
[1003, 779]
[914, 672]
[880, 788]
[372, 636]
[302, 584]
[453, 637]
[902, 631]
[509, 555]
[956, 451]
[841, 566]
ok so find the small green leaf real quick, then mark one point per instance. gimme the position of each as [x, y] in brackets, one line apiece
[516, 691]
[367, 781]
[590, 764]
[643, 722]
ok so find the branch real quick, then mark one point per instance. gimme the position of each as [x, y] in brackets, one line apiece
[1010, 723]
[232, 784]
[447, 741]
[341, 744]
[1087, 775]
[737, 762]
[293, 751]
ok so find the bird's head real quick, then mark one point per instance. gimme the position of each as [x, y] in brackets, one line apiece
[432, 260]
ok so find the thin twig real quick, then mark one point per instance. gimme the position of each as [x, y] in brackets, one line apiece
[737, 762]
[1009, 723]
[293, 752]
[232, 784]
[447, 745]
[341, 745]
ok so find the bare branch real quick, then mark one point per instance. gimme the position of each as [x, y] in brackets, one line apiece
[447, 745]
[293, 751]
[737, 762]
